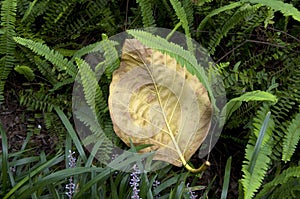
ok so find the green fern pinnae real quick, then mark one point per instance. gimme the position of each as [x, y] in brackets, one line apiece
[290, 189]
[291, 138]
[216, 12]
[252, 181]
[189, 12]
[111, 55]
[201, 2]
[29, 10]
[257, 156]
[279, 181]
[260, 116]
[89, 83]
[41, 100]
[45, 69]
[54, 57]
[26, 71]
[95, 47]
[147, 13]
[285, 8]
[183, 57]
[241, 14]
[57, 14]
[181, 14]
[35, 9]
[235, 103]
[94, 12]
[92, 92]
[64, 82]
[7, 45]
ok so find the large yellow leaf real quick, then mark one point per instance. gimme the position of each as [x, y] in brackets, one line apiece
[154, 100]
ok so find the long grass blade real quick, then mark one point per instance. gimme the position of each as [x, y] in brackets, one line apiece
[259, 142]
[226, 178]
[58, 158]
[71, 132]
[4, 159]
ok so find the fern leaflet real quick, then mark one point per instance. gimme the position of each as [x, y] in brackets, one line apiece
[54, 57]
[257, 156]
[147, 13]
[7, 45]
[285, 8]
[291, 138]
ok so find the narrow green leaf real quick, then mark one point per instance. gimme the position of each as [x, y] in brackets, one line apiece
[71, 132]
[259, 141]
[5, 162]
[235, 103]
[26, 71]
[226, 178]
[291, 139]
[54, 160]
[285, 8]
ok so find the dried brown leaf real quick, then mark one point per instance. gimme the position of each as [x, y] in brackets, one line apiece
[154, 100]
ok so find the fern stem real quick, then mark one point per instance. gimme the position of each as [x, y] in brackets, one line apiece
[173, 31]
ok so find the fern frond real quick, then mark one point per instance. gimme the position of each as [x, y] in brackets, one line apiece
[93, 15]
[181, 14]
[290, 189]
[7, 44]
[45, 69]
[285, 8]
[89, 83]
[189, 11]
[288, 103]
[54, 57]
[26, 71]
[62, 83]
[92, 111]
[56, 15]
[235, 103]
[32, 11]
[43, 101]
[147, 13]
[111, 57]
[291, 138]
[279, 182]
[257, 155]
[112, 61]
[241, 14]
[216, 12]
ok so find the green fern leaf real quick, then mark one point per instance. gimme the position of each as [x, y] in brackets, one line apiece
[147, 13]
[257, 157]
[285, 8]
[111, 56]
[216, 12]
[91, 110]
[89, 83]
[26, 71]
[54, 57]
[283, 178]
[181, 14]
[45, 69]
[291, 138]
[7, 45]
[241, 14]
[235, 103]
